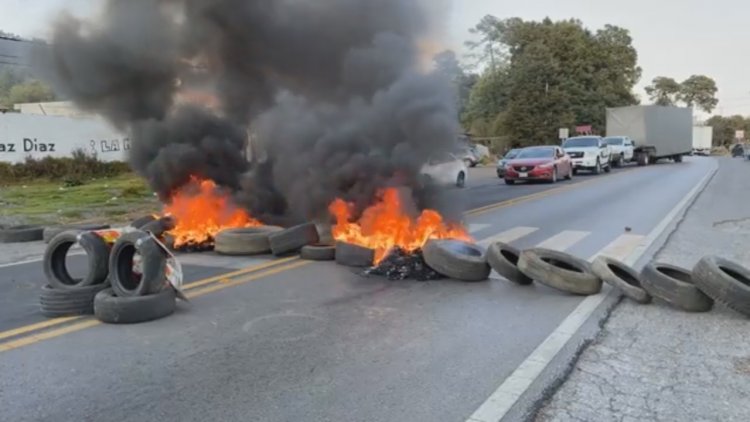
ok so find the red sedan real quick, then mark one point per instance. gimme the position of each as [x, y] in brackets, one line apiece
[548, 163]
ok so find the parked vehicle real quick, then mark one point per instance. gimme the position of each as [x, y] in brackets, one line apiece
[549, 163]
[446, 169]
[738, 151]
[589, 153]
[468, 156]
[623, 149]
[659, 132]
[501, 163]
[703, 140]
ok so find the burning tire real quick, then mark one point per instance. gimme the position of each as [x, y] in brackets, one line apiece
[58, 303]
[560, 271]
[456, 259]
[503, 258]
[318, 252]
[21, 234]
[675, 286]
[55, 267]
[350, 255]
[621, 277]
[293, 239]
[140, 222]
[132, 310]
[725, 282]
[151, 277]
[51, 232]
[158, 227]
[244, 241]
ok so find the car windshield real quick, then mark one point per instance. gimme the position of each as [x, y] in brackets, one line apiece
[536, 153]
[581, 142]
[614, 141]
[512, 154]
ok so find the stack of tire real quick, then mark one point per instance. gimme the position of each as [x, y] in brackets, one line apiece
[303, 239]
[111, 290]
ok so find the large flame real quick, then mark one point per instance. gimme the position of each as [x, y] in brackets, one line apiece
[200, 211]
[386, 225]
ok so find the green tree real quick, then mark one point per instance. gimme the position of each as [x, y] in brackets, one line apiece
[663, 91]
[699, 91]
[725, 128]
[29, 92]
[487, 100]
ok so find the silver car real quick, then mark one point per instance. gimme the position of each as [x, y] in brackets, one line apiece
[503, 161]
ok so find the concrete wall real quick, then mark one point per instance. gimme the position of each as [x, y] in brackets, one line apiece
[38, 136]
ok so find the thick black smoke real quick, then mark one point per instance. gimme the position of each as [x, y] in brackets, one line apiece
[330, 90]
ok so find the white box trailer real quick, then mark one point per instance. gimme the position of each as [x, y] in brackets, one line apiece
[658, 132]
[703, 140]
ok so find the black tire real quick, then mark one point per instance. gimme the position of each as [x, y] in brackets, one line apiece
[244, 241]
[725, 282]
[21, 234]
[608, 168]
[503, 258]
[575, 172]
[554, 176]
[678, 158]
[643, 159]
[140, 222]
[58, 303]
[318, 253]
[159, 227]
[569, 176]
[124, 282]
[350, 255]
[510, 182]
[598, 168]
[132, 310]
[560, 271]
[461, 180]
[293, 239]
[50, 232]
[55, 269]
[619, 161]
[621, 277]
[457, 260]
[674, 285]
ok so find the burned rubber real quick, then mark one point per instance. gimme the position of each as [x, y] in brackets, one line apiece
[125, 281]
[244, 241]
[503, 258]
[356, 256]
[54, 262]
[622, 277]
[58, 303]
[318, 252]
[293, 239]
[675, 286]
[457, 260]
[132, 310]
[725, 282]
[560, 271]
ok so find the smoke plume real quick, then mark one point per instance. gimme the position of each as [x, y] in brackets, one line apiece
[330, 92]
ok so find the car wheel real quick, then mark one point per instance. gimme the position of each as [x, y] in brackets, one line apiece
[575, 172]
[598, 168]
[510, 182]
[554, 176]
[461, 181]
[608, 168]
[571, 172]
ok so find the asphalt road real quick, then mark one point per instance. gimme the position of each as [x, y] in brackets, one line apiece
[318, 342]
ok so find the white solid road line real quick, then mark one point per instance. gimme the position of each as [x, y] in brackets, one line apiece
[507, 236]
[510, 391]
[563, 240]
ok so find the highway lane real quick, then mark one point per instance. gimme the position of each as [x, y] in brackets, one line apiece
[321, 343]
[20, 284]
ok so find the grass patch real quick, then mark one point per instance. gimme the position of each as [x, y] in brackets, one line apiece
[92, 200]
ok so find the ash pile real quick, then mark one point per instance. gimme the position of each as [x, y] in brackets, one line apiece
[402, 265]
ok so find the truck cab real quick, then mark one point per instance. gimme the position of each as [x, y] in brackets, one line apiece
[623, 149]
[589, 153]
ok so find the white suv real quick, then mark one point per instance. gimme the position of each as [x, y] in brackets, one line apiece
[622, 149]
[589, 153]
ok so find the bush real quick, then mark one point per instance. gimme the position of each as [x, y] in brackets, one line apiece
[75, 169]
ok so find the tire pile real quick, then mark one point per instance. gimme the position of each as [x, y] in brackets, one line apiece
[126, 281]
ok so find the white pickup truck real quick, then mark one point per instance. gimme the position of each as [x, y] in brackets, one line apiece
[589, 153]
[623, 149]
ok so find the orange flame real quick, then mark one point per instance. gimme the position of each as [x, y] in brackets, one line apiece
[386, 225]
[201, 211]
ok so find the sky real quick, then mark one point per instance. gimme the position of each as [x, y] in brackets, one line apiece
[675, 38]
